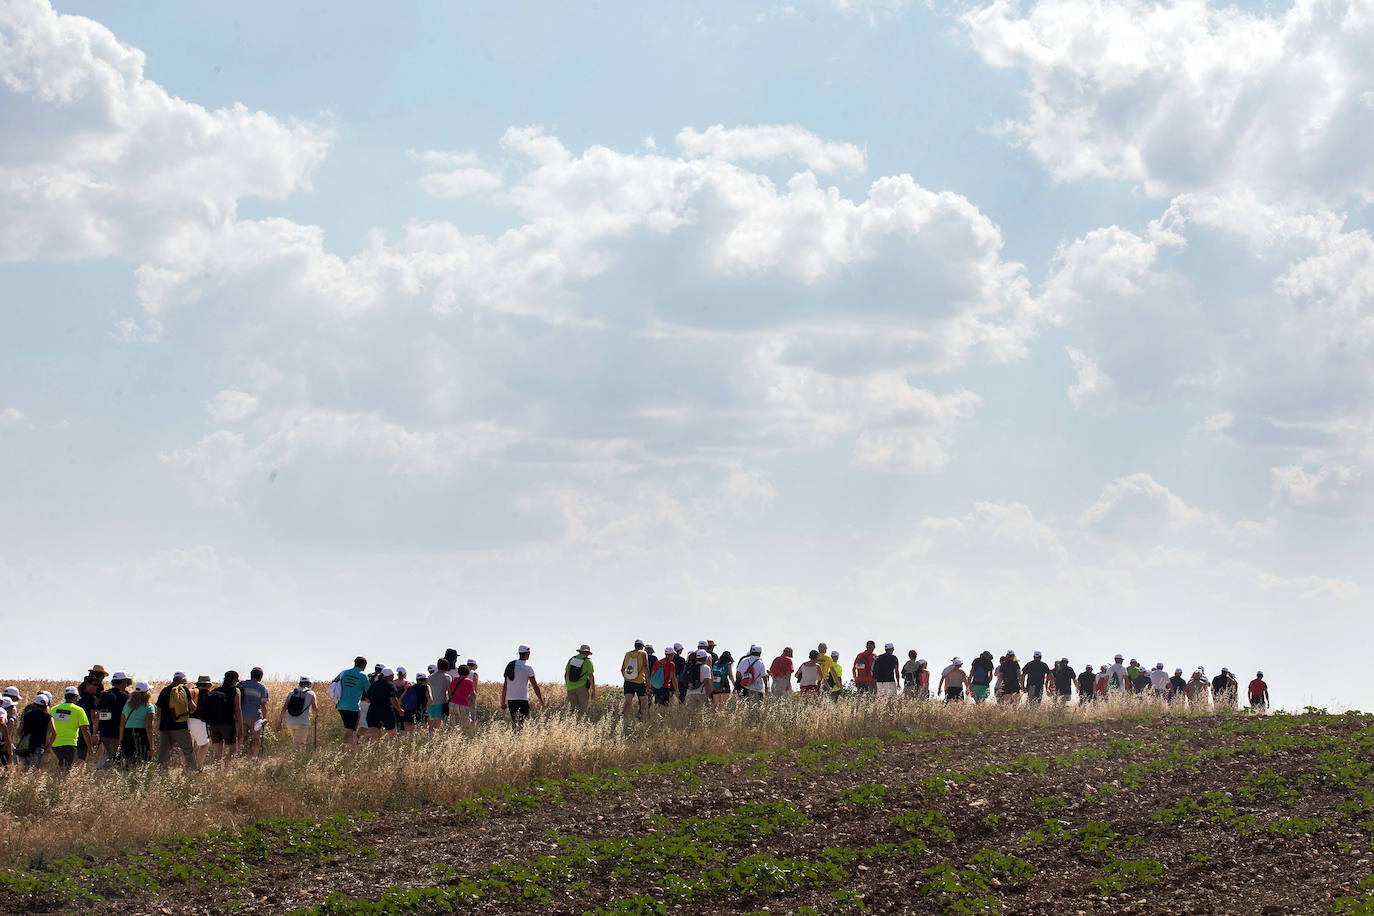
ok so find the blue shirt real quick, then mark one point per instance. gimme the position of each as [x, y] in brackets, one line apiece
[353, 683]
[252, 697]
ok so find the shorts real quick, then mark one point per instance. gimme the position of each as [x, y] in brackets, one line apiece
[349, 717]
[980, 692]
[887, 688]
[32, 759]
[865, 686]
[780, 686]
[663, 696]
[633, 689]
[81, 750]
[224, 733]
[383, 717]
[956, 694]
[200, 733]
[749, 694]
[66, 756]
[446, 709]
[810, 689]
[436, 711]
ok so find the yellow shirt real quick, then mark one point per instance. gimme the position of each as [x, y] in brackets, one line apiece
[641, 663]
[839, 676]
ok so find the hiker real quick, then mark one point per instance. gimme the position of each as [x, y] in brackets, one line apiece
[109, 714]
[384, 707]
[1036, 674]
[516, 682]
[300, 707]
[1224, 689]
[885, 668]
[836, 676]
[440, 682]
[1087, 685]
[580, 680]
[414, 702]
[401, 685]
[809, 676]
[88, 696]
[1178, 687]
[909, 669]
[1159, 681]
[1197, 689]
[471, 665]
[224, 718]
[136, 721]
[953, 680]
[751, 679]
[197, 726]
[1100, 684]
[780, 673]
[69, 729]
[863, 670]
[1259, 692]
[980, 676]
[347, 691]
[174, 707]
[6, 733]
[253, 699]
[463, 698]
[634, 668]
[922, 680]
[700, 678]
[722, 676]
[1118, 679]
[1140, 683]
[652, 656]
[1064, 681]
[36, 733]
[663, 682]
[1010, 680]
[681, 662]
[828, 664]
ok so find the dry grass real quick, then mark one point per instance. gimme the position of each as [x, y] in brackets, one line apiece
[41, 815]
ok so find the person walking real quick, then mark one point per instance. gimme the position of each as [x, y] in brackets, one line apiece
[1009, 680]
[1087, 685]
[70, 729]
[384, 707]
[864, 684]
[780, 674]
[663, 678]
[516, 682]
[109, 713]
[36, 733]
[1178, 687]
[836, 675]
[980, 676]
[1197, 690]
[347, 689]
[174, 707]
[1258, 692]
[1159, 681]
[1036, 675]
[296, 713]
[809, 676]
[751, 677]
[1064, 681]
[700, 686]
[136, 722]
[88, 696]
[830, 675]
[463, 698]
[1225, 689]
[885, 672]
[634, 668]
[953, 681]
[580, 680]
[1118, 678]
[224, 718]
[253, 715]
[722, 676]
[196, 725]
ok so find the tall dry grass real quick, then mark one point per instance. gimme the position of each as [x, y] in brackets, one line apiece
[43, 815]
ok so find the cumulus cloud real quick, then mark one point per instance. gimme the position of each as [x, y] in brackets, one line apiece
[1191, 96]
[770, 142]
[10, 416]
[232, 406]
[460, 175]
[99, 160]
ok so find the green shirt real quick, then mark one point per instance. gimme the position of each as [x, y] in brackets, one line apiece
[68, 719]
[137, 718]
[576, 664]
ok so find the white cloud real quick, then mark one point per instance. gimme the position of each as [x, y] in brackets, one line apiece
[1186, 96]
[99, 160]
[464, 174]
[1093, 390]
[11, 415]
[770, 142]
[747, 494]
[232, 406]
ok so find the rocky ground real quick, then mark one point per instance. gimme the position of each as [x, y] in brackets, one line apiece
[1230, 814]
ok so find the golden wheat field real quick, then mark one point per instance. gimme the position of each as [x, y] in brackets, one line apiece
[42, 814]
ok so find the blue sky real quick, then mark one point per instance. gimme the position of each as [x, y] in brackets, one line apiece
[1043, 326]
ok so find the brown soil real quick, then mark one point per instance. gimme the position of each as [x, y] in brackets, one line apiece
[1208, 866]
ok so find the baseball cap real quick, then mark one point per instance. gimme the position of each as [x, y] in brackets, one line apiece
[1259, 674]
[6, 702]
[433, 668]
[41, 700]
[71, 692]
[649, 646]
[702, 653]
[1178, 671]
[1037, 653]
[701, 644]
[12, 692]
[1224, 669]
[472, 663]
[669, 651]
[888, 645]
[1119, 656]
[401, 670]
[422, 676]
[522, 650]
[958, 663]
[834, 653]
[754, 648]
[639, 642]
[387, 672]
[378, 667]
[119, 676]
[143, 686]
[677, 646]
[178, 675]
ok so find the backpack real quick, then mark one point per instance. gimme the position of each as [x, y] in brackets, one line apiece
[179, 703]
[691, 677]
[746, 678]
[297, 702]
[720, 673]
[410, 700]
[218, 706]
[631, 666]
[574, 669]
[659, 678]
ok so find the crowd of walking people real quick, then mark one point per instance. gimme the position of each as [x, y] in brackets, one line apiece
[128, 722]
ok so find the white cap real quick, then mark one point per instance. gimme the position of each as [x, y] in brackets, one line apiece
[71, 692]
[6, 702]
[958, 663]
[1119, 656]
[677, 646]
[387, 672]
[522, 650]
[472, 663]
[305, 679]
[888, 645]
[433, 668]
[834, 653]
[400, 669]
[45, 695]
[701, 644]
[143, 685]
[649, 646]
[1178, 671]
[119, 676]
[1259, 674]
[1037, 653]
[1224, 669]
[1159, 664]
[702, 653]
[669, 651]
[178, 675]
[639, 642]
[755, 649]
[13, 692]
[920, 661]
[41, 700]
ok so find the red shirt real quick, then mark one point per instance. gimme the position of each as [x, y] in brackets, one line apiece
[1257, 688]
[462, 691]
[863, 666]
[781, 667]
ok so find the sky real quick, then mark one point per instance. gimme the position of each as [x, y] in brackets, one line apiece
[329, 330]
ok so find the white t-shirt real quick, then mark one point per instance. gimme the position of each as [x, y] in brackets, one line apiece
[756, 664]
[518, 687]
[1123, 679]
[810, 674]
[304, 717]
[1159, 678]
[705, 671]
